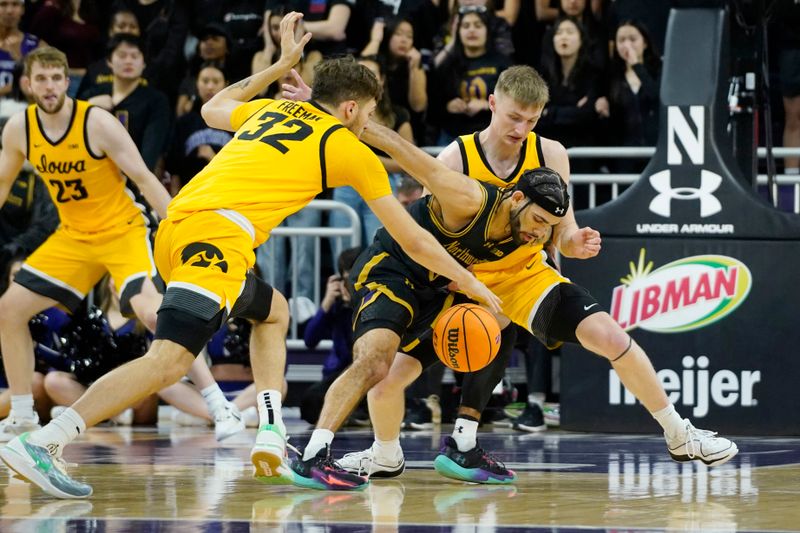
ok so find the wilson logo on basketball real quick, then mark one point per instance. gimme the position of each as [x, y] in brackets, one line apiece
[453, 348]
[683, 295]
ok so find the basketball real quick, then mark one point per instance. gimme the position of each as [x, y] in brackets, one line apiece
[466, 337]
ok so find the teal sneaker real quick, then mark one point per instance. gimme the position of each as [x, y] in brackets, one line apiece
[35, 464]
[269, 456]
[475, 465]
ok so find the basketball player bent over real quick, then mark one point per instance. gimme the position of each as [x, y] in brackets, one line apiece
[282, 155]
[534, 296]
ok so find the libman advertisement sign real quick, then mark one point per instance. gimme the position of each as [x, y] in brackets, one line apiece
[686, 294]
[718, 320]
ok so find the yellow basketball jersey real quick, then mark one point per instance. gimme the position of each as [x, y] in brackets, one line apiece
[88, 190]
[283, 154]
[476, 165]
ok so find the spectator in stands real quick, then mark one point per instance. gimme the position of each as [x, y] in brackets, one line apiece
[14, 44]
[405, 76]
[595, 41]
[499, 29]
[99, 72]
[391, 116]
[243, 20]
[574, 84]
[464, 80]
[164, 25]
[326, 20]
[271, 37]
[195, 143]
[143, 110]
[26, 219]
[69, 26]
[633, 99]
[409, 191]
[789, 70]
[333, 320]
[214, 46]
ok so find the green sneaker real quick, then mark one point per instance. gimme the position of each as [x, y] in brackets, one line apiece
[35, 464]
[269, 456]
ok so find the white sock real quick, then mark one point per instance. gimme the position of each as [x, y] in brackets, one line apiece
[465, 433]
[215, 399]
[269, 409]
[671, 421]
[536, 398]
[320, 438]
[59, 432]
[387, 449]
[22, 406]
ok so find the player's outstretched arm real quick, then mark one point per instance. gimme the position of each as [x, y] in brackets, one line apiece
[12, 155]
[456, 192]
[217, 111]
[423, 248]
[108, 136]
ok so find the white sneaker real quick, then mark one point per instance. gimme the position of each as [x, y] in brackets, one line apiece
[701, 445]
[367, 463]
[269, 456]
[13, 426]
[228, 421]
[125, 418]
[250, 416]
[180, 418]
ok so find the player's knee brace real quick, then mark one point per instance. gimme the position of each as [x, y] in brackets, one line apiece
[478, 386]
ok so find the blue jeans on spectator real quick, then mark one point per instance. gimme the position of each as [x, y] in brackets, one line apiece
[274, 264]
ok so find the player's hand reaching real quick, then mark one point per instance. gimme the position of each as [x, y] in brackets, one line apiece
[583, 243]
[291, 46]
[299, 92]
[479, 292]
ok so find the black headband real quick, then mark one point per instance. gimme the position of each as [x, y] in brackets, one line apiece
[543, 201]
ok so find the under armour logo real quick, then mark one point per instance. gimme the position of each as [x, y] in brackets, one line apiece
[662, 182]
[460, 429]
[559, 210]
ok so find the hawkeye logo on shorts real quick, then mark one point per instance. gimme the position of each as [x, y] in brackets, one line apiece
[204, 255]
[683, 295]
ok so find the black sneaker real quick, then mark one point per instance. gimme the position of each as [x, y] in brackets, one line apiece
[418, 416]
[323, 473]
[475, 465]
[531, 419]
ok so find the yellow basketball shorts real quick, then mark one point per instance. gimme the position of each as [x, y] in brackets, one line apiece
[204, 260]
[522, 284]
[68, 264]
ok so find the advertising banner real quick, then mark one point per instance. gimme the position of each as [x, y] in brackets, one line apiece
[717, 319]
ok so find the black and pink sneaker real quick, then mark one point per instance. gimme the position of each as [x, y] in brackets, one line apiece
[323, 473]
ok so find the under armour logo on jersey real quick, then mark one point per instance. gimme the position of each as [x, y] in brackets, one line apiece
[662, 182]
[203, 254]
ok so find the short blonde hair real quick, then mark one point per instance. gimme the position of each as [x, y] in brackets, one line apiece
[524, 85]
[46, 56]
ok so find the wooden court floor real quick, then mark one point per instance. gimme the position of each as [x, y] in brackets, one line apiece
[181, 479]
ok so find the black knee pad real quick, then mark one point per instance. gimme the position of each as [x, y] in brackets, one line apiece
[188, 330]
[478, 386]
